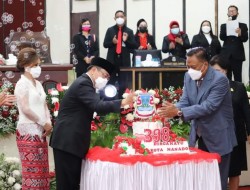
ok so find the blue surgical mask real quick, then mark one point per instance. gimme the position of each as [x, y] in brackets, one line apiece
[175, 30]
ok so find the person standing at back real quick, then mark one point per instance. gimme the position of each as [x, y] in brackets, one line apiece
[120, 41]
[176, 42]
[86, 47]
[238, 161]
[233, 48]
[144, 40]
[207, 39]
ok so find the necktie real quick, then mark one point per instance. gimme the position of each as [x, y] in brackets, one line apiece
[119, 42]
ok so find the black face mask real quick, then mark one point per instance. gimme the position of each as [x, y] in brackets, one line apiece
[143, 29]
[233, 17]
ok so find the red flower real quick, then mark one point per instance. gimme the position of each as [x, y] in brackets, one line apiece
[57, 105]
[93, 126]
[123, 128]
[59, 87]
[5, 114]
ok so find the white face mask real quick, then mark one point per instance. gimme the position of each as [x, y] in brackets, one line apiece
[34, 71]
[100, 83]
[119, 21]
[194, 74]
[206, 29]
[175, 30]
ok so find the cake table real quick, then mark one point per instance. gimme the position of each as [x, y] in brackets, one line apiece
[105, 169]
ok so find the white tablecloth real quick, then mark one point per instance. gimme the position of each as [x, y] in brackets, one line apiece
[188, 175]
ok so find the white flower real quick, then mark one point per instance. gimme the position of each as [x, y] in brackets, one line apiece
[12, 160]
[17, 186]
[94, 115]
[65, 87]
[130, 117]
[151, 92]
[16, 173]
[134, 98]
[1, 173]
[248, 94]
[126, 107]
[156, 100]
[125, 95]
[135, 105]
[55, 113]
[11, 180]
[54, 92]
[54, 100]
[137, 92]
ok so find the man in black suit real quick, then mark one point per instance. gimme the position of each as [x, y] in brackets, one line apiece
[233, 48]
[119, 49]
[70, 139]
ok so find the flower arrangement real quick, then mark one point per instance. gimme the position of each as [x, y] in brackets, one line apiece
[10, 175]
[8, 114]
[106, 128]
[54, 98]
[178, 127]
[130, 145]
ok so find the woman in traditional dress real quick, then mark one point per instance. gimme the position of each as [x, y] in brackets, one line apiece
[34, 122]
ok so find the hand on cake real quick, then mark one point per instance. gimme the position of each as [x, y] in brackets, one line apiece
[128, 100]
[168, 110]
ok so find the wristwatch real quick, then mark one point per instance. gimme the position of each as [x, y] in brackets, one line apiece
[179, 113]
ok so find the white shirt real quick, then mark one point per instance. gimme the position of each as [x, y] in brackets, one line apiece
[32, 107]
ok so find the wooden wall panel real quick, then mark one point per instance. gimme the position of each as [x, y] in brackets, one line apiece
[22, 11]
[35, 13]
[1, 28]
[15, 9]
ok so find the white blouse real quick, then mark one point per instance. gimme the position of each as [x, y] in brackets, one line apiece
[32, 107]
[208, 37]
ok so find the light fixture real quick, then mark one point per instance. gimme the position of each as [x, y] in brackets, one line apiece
[110, 91]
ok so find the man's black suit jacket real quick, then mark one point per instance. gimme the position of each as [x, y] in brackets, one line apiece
[241, 110]
[233, 46]
[130, 45]
[72, 130]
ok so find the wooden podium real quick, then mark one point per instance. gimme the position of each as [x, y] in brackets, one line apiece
[50, 72]
[153, 77]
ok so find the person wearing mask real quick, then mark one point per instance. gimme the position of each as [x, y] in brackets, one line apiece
[176, 42]
[120, 41]
[144, 40]
[241, 110]
[86, 47]
[34, 122]
[207, 39]
[70, 139]
[207, 102]
[233, 48]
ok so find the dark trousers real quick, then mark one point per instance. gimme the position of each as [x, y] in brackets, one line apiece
[223, 165]
[234, 67]
[68, 170]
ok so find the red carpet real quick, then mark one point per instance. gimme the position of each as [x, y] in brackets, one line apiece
[244, 188]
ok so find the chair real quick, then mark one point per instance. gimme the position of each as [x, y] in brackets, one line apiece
[37, 40]
[49, 84]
